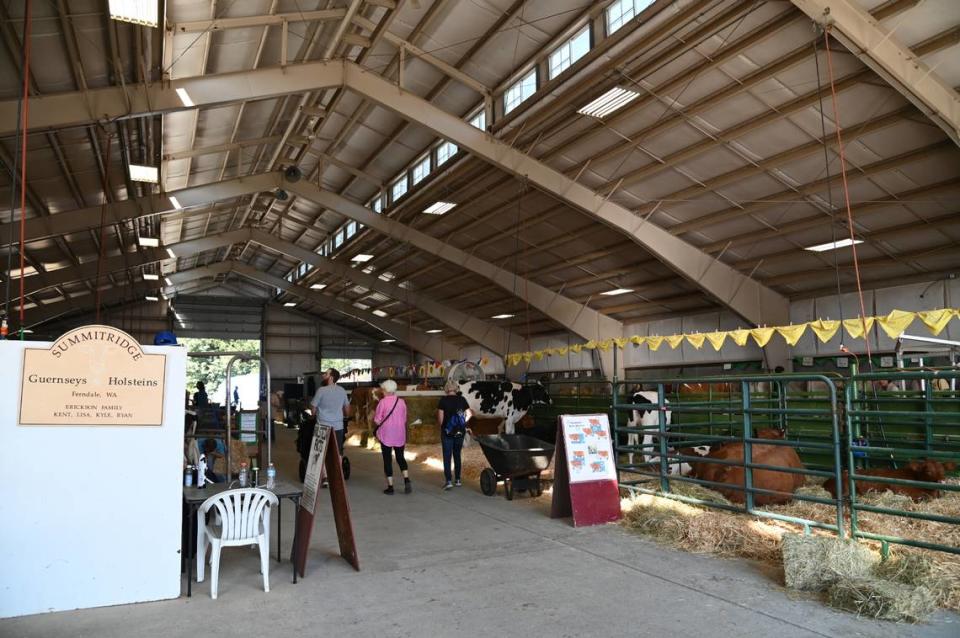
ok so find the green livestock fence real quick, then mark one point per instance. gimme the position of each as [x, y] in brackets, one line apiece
[842, 427]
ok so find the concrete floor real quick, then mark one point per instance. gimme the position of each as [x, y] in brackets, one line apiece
[440, 563]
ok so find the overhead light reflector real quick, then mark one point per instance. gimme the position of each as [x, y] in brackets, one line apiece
[318, 286]
[380, 313]
[439, 208]
[503, 316]
[290, 304]
[148, 276]
[185, 98]
[170, 252]
[617, 291]
[609, 102]
[152, 298]
[149, 174]
[434, 331]
[389, 341]
[149, 242]
[175, 202]
[833, 245]
[167, 279]
[360, 259]
[136, 11]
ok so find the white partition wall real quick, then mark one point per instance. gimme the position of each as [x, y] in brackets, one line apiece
[89, 515]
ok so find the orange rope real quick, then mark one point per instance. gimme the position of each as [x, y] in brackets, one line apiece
[23, 155]
[846, 195]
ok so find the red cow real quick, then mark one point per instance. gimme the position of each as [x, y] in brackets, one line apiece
[928, 471]
[735, 475]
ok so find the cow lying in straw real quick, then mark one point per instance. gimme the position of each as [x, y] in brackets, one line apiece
[927, 471]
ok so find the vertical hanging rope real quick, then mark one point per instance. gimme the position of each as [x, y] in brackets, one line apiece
[846, 195]
[103, 214]
[23, 153]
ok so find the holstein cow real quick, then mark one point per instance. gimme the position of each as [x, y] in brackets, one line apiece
[928, 471]
[503, 399]
[649, 418]
[734, 475]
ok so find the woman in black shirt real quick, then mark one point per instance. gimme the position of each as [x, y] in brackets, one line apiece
[452, 442]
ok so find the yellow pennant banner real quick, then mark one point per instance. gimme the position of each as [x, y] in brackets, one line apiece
[893, 324]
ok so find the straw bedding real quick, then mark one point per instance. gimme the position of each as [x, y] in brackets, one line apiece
[906, 587]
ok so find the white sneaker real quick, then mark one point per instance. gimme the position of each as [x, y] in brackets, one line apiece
[447, 486]
[458, 483]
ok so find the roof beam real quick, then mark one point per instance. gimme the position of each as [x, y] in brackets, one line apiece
[220, 148]
[277, 19]
[492, 337]
[577, 318]
[745, 296]
[61, 110]
[434, 346]
[880, 50]
[84, 218]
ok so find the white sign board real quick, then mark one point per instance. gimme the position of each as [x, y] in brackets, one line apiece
[311, 479]
[589, 447]
[91, 513]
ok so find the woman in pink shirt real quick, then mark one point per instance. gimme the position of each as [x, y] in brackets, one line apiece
[390, 428]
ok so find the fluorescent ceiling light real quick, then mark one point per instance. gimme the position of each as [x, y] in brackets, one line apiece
[380, 313]
[617, 291]
[290, 304]
[150, 242]
[175, 202]
[609, 102]
[185, 98]
[167, 279]
[136, 11]
[438, 208]
[318, 286]
[148, 174]
[170, 252]
[147, 276]
[833, 245]
[360, 259]
[434, 331]
[503, 316]
[152, 298]
[389, 341]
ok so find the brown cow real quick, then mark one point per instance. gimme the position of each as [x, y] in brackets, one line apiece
[928, 471]
[774, 455]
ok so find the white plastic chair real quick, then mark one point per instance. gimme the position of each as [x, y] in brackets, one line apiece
[244, 519]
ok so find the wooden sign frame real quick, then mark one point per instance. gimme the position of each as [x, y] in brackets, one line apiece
[338, 498]
[588, 502]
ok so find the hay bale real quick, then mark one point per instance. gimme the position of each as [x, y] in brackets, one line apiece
[694, 490]
[882, 599]
[813, 563]
[660, 518]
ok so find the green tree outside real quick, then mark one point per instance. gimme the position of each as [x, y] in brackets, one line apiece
[213, 370]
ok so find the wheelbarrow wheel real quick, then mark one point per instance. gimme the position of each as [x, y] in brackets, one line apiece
[508, 489]
[537, 489]
[488, 482]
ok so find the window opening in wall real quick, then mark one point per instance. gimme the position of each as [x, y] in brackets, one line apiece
[521, 90]
[569, 52]
[338, 240]
[445, 151]
[399, 188]
[479, 120]
[420, 170]
[346, 366]
[622, 11]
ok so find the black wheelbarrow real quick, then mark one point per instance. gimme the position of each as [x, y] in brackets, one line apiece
[515, 459]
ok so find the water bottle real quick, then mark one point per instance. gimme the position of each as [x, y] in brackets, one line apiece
[188, 476]
[271, 476]
[243, 475]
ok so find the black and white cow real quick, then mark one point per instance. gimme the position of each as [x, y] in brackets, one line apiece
[650, 418]
[503, 399]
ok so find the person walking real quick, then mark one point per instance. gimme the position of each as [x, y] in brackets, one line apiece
[390, 428]
[331, 405]
[453, 412]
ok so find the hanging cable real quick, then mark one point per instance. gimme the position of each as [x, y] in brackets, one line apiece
[829, 177]
[24, 129]
[846, 197]
[103, 214]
